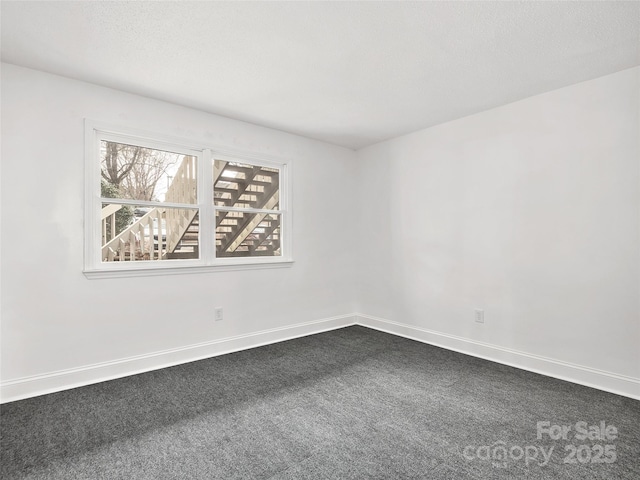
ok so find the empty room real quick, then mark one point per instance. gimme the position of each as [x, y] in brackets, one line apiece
[320, 240]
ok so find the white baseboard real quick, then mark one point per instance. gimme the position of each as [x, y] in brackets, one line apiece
[76, 377]
[590, 377]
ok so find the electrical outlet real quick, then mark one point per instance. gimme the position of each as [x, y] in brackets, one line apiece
[217, 314]
[479, 316]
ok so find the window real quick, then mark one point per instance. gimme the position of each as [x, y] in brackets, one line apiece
[163, 206]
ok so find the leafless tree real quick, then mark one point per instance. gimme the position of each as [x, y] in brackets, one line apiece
[135, 171]
[118, 160]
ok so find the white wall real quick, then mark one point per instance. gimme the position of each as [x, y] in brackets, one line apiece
[53, 318]
[529, 211]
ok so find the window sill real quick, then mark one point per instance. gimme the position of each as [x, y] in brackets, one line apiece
[162, 271]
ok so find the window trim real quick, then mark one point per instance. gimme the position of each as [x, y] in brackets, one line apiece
[94, 267]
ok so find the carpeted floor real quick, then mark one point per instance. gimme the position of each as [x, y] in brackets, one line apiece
[353, 403]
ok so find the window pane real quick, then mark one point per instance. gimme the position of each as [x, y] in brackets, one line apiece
[135, 233]
[244, 234]
[138, 173]
[246, 186]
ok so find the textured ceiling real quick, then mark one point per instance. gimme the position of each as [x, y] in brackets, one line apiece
[349, 73]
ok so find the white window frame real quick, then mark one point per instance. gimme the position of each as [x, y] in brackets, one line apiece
[94, 267]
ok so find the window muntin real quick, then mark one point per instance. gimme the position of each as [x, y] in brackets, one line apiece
[243, 220]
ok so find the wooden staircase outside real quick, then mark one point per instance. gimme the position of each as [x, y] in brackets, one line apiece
[243, 234]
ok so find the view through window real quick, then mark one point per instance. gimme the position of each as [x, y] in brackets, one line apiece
[164, 206]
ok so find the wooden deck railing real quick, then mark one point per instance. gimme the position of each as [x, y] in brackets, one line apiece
[109, 221]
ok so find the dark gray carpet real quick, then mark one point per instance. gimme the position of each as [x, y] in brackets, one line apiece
[351, 403]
